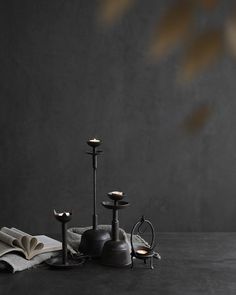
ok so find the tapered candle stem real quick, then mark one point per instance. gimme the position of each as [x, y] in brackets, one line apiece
[115, 226]
[64, 243]
[95, 218]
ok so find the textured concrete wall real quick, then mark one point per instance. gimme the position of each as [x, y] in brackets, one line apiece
[64, 79]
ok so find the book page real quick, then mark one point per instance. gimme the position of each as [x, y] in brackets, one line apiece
[22, 240]
[26, 241]
[15, 234]
[12, 239]
[5, 248]
[7, 239]
[50, 245]
[29, 242]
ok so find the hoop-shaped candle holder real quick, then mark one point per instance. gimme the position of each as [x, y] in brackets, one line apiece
[143, 252]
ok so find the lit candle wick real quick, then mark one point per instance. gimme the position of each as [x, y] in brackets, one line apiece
[142, 252]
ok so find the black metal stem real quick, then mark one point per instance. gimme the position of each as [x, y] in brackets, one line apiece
[95, 217]
[115, 224]
[64, 243]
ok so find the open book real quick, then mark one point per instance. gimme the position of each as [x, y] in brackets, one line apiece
[15, 240]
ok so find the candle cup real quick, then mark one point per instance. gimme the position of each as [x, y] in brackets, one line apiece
[94, 142]
[116, 195]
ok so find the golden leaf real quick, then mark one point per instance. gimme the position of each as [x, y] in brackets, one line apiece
[197, 120]
[111, 10]
[230, 35]
[173, 28]
[204, 51]
[208, 4]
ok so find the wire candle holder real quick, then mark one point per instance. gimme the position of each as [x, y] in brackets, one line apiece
[144, 252]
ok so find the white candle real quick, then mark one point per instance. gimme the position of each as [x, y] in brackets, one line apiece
[117, 193]
[94, 140]
[143, 252]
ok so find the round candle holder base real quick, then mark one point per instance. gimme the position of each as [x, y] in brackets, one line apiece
[116, 254]
[92, 242]
[57, 262]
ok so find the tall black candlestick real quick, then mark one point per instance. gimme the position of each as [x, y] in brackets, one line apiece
[94, 143]
[92, 240]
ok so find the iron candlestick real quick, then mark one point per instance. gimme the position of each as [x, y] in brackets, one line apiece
[63, 261]
[116, 252]
[92, 240]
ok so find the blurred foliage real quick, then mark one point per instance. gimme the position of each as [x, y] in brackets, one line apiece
[178, 27]
[230, 35]
[109, 11]
[203, 51]
[197, 119]
[208, 4]
[173, 28]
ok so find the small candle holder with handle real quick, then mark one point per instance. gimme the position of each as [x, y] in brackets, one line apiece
[143, 252]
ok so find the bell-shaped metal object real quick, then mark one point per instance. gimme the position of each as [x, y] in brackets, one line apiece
[116, 252]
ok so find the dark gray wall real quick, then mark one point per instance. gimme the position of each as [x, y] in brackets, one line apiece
[64, 79]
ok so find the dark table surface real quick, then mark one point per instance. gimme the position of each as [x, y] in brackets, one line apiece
[192, 263]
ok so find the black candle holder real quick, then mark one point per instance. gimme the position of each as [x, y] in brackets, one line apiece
[92, 240]
[143, 252]
[64, 261]
[116, 252]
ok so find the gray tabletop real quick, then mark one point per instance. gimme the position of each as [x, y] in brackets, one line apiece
[192, 263]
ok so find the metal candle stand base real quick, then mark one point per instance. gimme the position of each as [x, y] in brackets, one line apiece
[57, 262]
[92, 242]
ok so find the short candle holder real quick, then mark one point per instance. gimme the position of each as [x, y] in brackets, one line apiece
[116, 252]
[64, 261]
